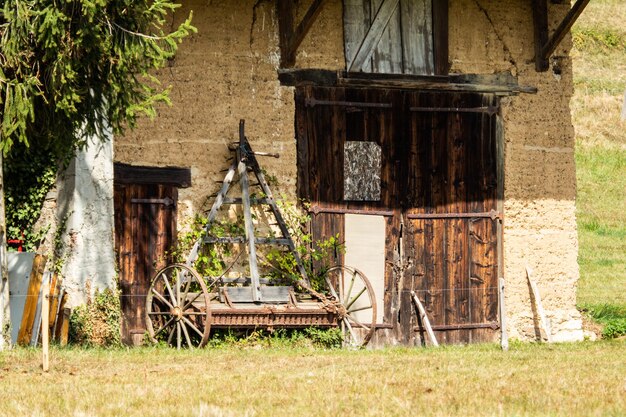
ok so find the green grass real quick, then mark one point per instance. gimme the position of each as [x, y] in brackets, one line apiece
[599, 58]
[582, 379]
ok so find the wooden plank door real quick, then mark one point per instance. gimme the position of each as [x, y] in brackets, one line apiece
[145, 230]
[438, 193]
[451, 213]
[339, 130]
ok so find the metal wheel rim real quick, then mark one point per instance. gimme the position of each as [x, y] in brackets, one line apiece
[184, 320]
[349, 322]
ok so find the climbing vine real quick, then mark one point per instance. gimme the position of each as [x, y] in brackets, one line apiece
[278, 264]
[29, 174]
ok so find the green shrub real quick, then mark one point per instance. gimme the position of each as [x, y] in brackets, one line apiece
[97, 323]
[287, 338]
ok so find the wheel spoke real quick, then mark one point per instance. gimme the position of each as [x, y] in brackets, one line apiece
[354, 310]
[178, 335]
[177, 288]
[171, 335]
[186, 332]
[331, 288]
[191, 302]
[350, 289]
[163, 327]
[161, 298]
[169, 289]
[351, 332]
[187, 287]
[356, 297]
[193, 327]
[358, 323]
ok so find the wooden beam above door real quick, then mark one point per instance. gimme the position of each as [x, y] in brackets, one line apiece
[545, 45]
[291, 36]
[132, 174]
[500, 83]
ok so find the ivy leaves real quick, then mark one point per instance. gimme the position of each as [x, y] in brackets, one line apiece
[70, 69]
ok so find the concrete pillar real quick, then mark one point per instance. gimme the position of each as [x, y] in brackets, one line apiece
[85, 207]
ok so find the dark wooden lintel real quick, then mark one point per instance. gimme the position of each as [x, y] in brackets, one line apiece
[290, 36]
[545, 45]
[130, 174]
[502, 83]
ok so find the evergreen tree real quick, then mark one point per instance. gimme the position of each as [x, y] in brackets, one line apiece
[68, 68]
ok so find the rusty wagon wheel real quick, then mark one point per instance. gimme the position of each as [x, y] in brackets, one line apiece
[177, 308]
[356, 304]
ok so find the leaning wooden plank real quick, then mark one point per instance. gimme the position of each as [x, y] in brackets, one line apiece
[38, 324]
[32, 300]
[545, 324]
[59, 316]
[65, 327]
[504, 337]
[54, 299]
[424, 318]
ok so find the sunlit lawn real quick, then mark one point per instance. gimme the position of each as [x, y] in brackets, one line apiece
[570, 379]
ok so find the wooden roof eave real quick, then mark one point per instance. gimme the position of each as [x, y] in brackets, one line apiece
[499, 84]
[545, 45]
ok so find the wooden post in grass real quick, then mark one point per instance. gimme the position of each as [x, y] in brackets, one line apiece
[504, 336]
[542, 314]
[45, 319]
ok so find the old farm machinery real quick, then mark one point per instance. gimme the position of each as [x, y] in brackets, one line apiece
[183, 306]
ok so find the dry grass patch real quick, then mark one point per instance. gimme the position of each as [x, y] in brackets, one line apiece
[575, 380]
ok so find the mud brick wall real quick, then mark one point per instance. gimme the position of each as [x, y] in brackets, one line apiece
[227, 71]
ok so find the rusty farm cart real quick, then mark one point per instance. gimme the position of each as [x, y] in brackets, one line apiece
[183, 305]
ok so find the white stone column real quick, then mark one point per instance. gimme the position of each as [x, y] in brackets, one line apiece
[85, 205]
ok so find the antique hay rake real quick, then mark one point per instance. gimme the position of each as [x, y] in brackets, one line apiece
[183, 306]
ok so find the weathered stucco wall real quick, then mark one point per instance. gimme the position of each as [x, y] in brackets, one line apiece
[85, 207]
[225, 72]
[540, 173]
[228, 71]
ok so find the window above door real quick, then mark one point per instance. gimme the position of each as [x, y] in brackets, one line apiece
[395, 36]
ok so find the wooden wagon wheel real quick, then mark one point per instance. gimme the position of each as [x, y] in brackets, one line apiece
[357, 304]
[177, 307]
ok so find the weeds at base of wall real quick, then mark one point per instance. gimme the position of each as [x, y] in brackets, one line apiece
[288, 338]
[611, 317]
[97, 323]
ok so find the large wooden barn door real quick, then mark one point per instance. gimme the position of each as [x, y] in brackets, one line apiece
[145, 229]
[451, 213]
[426, 163]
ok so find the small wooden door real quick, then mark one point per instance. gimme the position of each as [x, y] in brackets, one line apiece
[145, 230]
